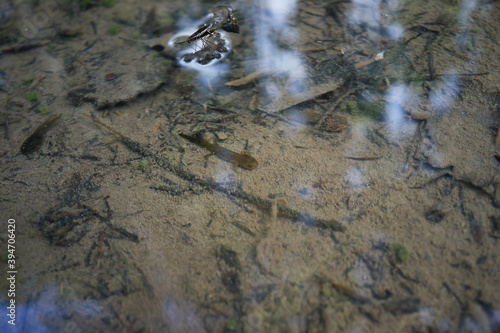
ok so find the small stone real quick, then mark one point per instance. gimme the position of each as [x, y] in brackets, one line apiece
[222, 136]
[420, 113]
[69, 30]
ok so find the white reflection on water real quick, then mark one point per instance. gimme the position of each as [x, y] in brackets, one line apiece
[365, 12]
[399, 126]
[355, 178]
[182, 317]
[395, 31]
[396, 97]
[38, 315]
[466, 9]
[443, 95]
[272, 22]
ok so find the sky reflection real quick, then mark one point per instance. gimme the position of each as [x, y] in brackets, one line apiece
[274, 29]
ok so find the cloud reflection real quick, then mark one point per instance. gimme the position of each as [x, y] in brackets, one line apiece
[182, 317]
[466, 9]
[365, 12]
[396, 97]
[442, 96]
[355, 178]
[274, 29]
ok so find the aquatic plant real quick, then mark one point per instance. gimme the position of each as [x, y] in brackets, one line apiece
[399, 251]
[32, 96]
[114, 29]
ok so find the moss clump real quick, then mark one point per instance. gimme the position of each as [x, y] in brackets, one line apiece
[166, 62]
[165, 21]
[34, 216]
[350, 106]
[233, 325]
[143, 165]
[32, 96]
[189, 77]
[247, 52]
[9, 199]
[86, 4]
[114, 29]
[373, 110]
[327, 291]
[399, 251]
[44, 109]
[369, 109]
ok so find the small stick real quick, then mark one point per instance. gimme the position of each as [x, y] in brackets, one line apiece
[348, 291]
[23, 47]
[363, 158]
[34, 84]
[378, 56]
[120, 136]
[157, 126]
[335, 106]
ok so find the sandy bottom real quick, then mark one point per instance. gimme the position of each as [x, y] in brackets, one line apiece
[384, 216]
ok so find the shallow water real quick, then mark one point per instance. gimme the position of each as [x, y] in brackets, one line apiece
[375, 205]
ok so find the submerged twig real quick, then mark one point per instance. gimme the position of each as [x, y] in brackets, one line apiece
[377, 57]
[363, 158]
[336, 105]
[23, 47]
[346, 290]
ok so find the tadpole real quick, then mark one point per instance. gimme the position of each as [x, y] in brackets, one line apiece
[34, 141]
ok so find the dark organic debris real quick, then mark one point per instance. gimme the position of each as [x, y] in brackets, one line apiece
[56, 225]
[228, 256]
[231, 280]
[230, 276]
[23, 47]
[495, 226]
[435, 214]
[150, 24]
[404, 306]
[77, 97]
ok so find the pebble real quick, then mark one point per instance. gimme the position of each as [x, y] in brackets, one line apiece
[222, 136]
[421, 113]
